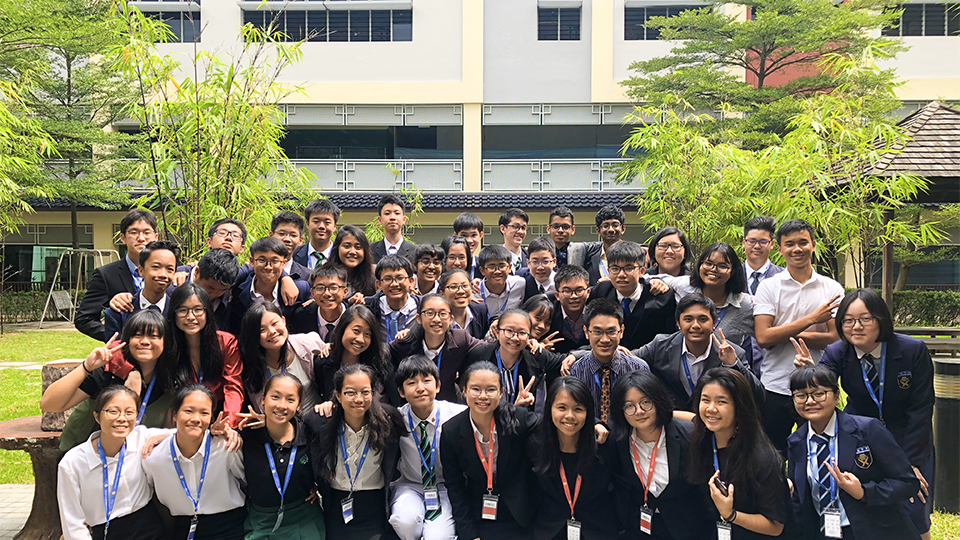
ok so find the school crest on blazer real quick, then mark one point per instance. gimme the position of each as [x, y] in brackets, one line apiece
[903, 379]
[863, 457]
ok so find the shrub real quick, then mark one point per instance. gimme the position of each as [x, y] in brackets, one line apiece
[926, 308]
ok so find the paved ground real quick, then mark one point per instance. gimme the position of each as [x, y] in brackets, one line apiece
[15, 502]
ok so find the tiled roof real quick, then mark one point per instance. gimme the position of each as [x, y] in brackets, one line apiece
[934, 148]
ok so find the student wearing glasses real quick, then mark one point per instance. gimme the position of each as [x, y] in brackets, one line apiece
[540, 269]
[669, 252]
[757, 245]
[328, 289]
[513, 227]
[562, 228]
[268, 256]
[572, 290]
[395, 304]
[429, 265]
[500, 288]
[466, 314]
[457, 255]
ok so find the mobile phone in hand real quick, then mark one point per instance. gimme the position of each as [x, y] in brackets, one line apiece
[721, 486]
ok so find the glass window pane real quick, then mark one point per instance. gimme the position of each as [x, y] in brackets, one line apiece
[338, 26]
[191, 27]
[935, 20]
[548, 24]
[253, 17]
[296, 25]
[380, 25]
[633, 24]
[403, 25]
[953, 20]
[359, 25]
[317, 25]
[173, 21]
[654, 33]
[570, 24]
[912, 20]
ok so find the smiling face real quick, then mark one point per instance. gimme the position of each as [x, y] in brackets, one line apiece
[541, 264]
[267, 266]
[496, 272]
[513, 333]
[158, 270]
[483, 391]
[697, 325]
[227, 236]
[561, 230]
[817, 412]
[457, 290]
[797, 249]
[573, 294]
[641, 420]
[611, 231]
[333, 292]
[753, 247]
[604, 333]
[320, 225]
[716, 408]
[396, 284]
[541, 323]
[136, 237]
[356, 337]
[191, 316]
[434, 316]
[356, 394]
[625, 276]
[514, 232]
[457, 257]
[420, 390]
[280, 401]
[146, 346]
[669, 254]
[392, 218]
[350, 251]
[861, 335]
[429, 269]
[273, 331]
[715, 270]
[289, 234]
[473, 238]
[568, 416]
[194, 415]
[118, 416]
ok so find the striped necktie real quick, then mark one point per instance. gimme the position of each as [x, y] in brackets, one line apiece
[823, 473]
[871, 370]
[754, 282]
[426, 475]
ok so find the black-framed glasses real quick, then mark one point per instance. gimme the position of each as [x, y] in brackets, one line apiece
[184, 311]
[631, 409]
[710, 265]
[818, 396]
[753, 242]
[320, 289]
[864, 321]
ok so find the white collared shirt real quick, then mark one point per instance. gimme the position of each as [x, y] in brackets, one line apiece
[409, 311]
[633, 297]
[254, 295]
[80, 484]
[485, 445]
[396, 247]
[222, 482]
[145, 304]
[831, 432]
[432, 354]
[875, 353]
[323, 323]
[510, 298]
[311, 260]
[661, 469]
[466, 320]
[749, 271]
[410, 466]
[548, 286]
[695, 363]
[370, 476]
[289, 266]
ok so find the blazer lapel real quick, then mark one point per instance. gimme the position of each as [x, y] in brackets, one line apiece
[846, 443]
[125, 277]
[673, 455]
[798, 451]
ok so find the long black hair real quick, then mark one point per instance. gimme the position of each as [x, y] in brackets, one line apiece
[736, 283]
[417, 332]
[548, 442]
[252, 354]
[360, 278]
[180, 372]
[506, 412]
[377, 355]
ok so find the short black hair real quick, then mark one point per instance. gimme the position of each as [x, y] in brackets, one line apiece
[449, 241]
[626, 251]
[412, 366]
[513, 213]
[561, 212]
[537, 303]
[602, 306]
[696, 299]
[157, 245]
[760, 223]
[219, 265]
[544, 243]
[185, 391]
[286, 217]
[570, 272]
[328, 271]
[791, 226]
[650, 386]
[493, 253]
[660, 235]
[467, 221]
[216, 225]
[394, 262]
[610, 212]
[269, 244]
[736, 283]
[322, 206]
[813, 376]
[135, 215]
[390, 198]
[874, 304]
[111, 392]
[431, 250]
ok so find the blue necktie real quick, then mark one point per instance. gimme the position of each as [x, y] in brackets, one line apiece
[755, 283]
[393, 325]
[626, 307]
[823, 473]
[871, 370]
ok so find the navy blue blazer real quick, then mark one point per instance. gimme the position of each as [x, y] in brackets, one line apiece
[480, 324]
[113, 321]
[241, 300]
[866, 449]
[908, 391]
[222, 312]
[107, 281]
[651, 316]
[373, 303]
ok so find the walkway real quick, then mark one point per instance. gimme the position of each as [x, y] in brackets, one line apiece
[15, 501]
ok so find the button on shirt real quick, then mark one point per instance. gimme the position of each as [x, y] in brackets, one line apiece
[254, 295]
[661, 469]
[588, 366]
[408, 314]
[695, 363]
[370, 476]
[788, 300]
[161, 305]
[410, 468]
[812, 464]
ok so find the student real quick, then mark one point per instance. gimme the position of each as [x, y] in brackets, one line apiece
[420, 506]
[513, 227]
[680, 358]
[644, 315]
[137, 229]
[539, 272]
[355, 455]
[142, 346]
[729, 449]
[600, 368]
[267, 349]
[435, 338]
[328, 289]
[355, 340]
[572, 288]
[279, 473]
[428, 259]
[227, 233]
[180, 466]
[465, 313]
[158, 263]
[457, 255]
[798, 303]
[485, 463]
[351, 252]
[757, 244]
[216, 272]
[268, 256]
[866, 328]
[93, 501]
[561, 228]
[470, 227]
[540, 309]
[669, 252]
[393, 306]
[500, 289]
[654, 498]
[321, 217]
[849, 474]
[391, 215]
[611, 224]
[573, 472]
[288, 228]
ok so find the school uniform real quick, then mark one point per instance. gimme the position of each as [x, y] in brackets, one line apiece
[647, 315]
[771, 498]
[478, 320]
[576, 253]
[325, 368]
[303, 346]
[544, 365]
[306, 256]
[380, 250]
[221, 305]
[113, 321]
[863, 447]
[242, 297]
[908, 399]
[510, 298]
[571, 330]
[466, 479]
[595, 264]
[532, 287]
[108, 280]
[679, 510]
[756, 277]
[393, 321]
[450, 358]
[408, 512]
[305, 319]
[594, 373]
[220, 510]
[518, 260]
[80, 491]
[296, 270]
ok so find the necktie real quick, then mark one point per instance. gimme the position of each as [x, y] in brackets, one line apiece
[137, 279]
[393, 325]
[329, 328]
[562, 257]
[754, 282]
[392, 250]
[154, 307]
[542, 291]
[606, 382]
[426, 474]
[317, 259]
[823, 473]
[871, 370]
[626, 308]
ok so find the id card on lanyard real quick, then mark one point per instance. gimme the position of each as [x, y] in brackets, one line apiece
[882, 372]
[646, 515]
[724, 529]
[573, 526]
[506, 297]
[346, 504]
[431, 496]
[183, 481]
[490, 501]
[276, 478]
[110, 493]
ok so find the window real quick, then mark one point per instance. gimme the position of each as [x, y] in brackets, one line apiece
[184, 25]
[558, 24]
[635, 21]
[355, 25]
[926, 20]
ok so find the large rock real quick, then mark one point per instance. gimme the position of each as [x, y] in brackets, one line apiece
[52, 372]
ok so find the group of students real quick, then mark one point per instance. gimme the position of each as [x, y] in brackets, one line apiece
[577, 389]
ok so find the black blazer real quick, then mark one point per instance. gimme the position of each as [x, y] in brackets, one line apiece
[544, 365]
[379, 250]
[373, 303]
[107, 281]
[663, 356]
[592, 266]
[908, 391]
[466, 480]
[303, 319]
[299, 271]
[531, 288]
[683, 514]
[887, 479]
[557, 325]
[480, 325]
[241, 300]
[113, 321]
[453, 357]
[651, 316]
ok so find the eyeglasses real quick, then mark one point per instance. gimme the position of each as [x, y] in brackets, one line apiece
[539, 262]
[352, 394]
[113, 414]
[430, 262]
[476, 391]
[136, 232]
[510, 333]
[496, 267]
[456, 258]
[630, 268]
[225, 233]
[818, 396]
[608, 226]
[864, 321]
[669, 247]
[392, 280]
[456, 287]
[560, 226]
[630, 409]
[599, 332]
[320, 289]
[517, 227]
[710, 265]
[429, 314]
[269, 262]
[570, 293]
[196, 311]
[753, 242]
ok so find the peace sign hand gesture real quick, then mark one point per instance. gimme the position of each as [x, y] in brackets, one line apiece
[803, 358]
[524, 397]
[727, 355]
[101, 355]
[847, 481]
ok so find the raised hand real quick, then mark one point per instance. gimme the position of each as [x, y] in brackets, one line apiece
[825, 312]
[724, 350]
[101, 355]
[524, 396]
[803, 358]
[357, 298]
[658, 287]
[251, 419]
[549, 341]
[601, 433]
[122, 302]
[847, 481]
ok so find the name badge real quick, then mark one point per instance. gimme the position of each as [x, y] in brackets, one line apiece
[193, 527]
[646, 520]
[490, 507]
[346, 505]
[831, 524]
[431, 499]
[724, 531]
[573, 529]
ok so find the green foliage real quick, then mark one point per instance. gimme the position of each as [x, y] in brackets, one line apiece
[908, 255]
[926, 308]
[414, 197]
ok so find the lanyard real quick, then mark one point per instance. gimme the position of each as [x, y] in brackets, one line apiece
[486, 462]
[603, 269]
[198, 374]
[363, 457]
[203, 472]
[716, 462]
[273, 470]
[110, 495]
[439, 351]
[814, 466]
[882, 369]
[686, 371]
[516, 375]
[433, 445]
[572, 501]
[146, 399]
[506, 296]
[720, 313]
[653, 463]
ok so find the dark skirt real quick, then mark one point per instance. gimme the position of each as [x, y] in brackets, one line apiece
[223, 526]
[369, 515]
[144, 524]
[301, 521]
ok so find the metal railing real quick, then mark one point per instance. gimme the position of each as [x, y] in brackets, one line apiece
[552, 175]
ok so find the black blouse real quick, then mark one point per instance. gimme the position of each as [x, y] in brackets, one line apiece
[261, 489]
[771, 500]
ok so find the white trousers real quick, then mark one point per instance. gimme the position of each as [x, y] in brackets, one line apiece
[406, 514]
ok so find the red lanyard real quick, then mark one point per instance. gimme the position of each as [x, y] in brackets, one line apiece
[566, 490]
[653, 463]
[486, 462]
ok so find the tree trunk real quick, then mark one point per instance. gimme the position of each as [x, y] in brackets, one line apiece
[902, 278]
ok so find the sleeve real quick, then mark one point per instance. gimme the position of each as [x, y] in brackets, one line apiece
[773, 499]
[759, 393]
[118, 365]
[94, 300]
[237, 467]
[112, 323]
[832, 357]
[919, 410]
[243, 273]
[72, 519]
[455, 482]
[899, 482]
[232, 383]
[765, 301]
[95, 382]
[551, 363]
[647, 352]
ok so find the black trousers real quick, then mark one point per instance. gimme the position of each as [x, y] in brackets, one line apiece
[778, 416]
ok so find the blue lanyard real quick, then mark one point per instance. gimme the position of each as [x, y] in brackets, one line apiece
[516, 375]
[203, 473]
[110, 495]
[273, 471]
[716, 462]
[199, 375]
[146, 399]
[720, 314]
[506, 296]
[433, 445]
[686, 370]
[812, 460]
[363, 457]
[882, 368]
[439, 357]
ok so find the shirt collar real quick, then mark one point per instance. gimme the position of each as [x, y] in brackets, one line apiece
[732, 300]
[660, 442]
[261, 435]
[132, 266]
[874, 353]
[548, 284]
[633, 297]
[476, 432]
[432, 353]
[324, 321]
[161, 305]
[830, 430]
[432, 419]
[394, 246]
[763, 269]
[566, 316]
[93, 457]
[326, 252]
[257, 296]
[696, 359]
[409, 307]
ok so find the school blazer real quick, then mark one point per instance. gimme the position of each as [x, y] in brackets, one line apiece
[557, 324]
[681, 504]
[453, 356]
[113, 321]
[241, 300]
[908, 391]
[300, 255]
[480, 324]
[373, 303]
[663, 355]
[544, 365]
[866, 449]
[531, 287]
[107, 281]
[652, 315]
[466, 481]
[379, 250]
[592, 265]
[578, 253]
